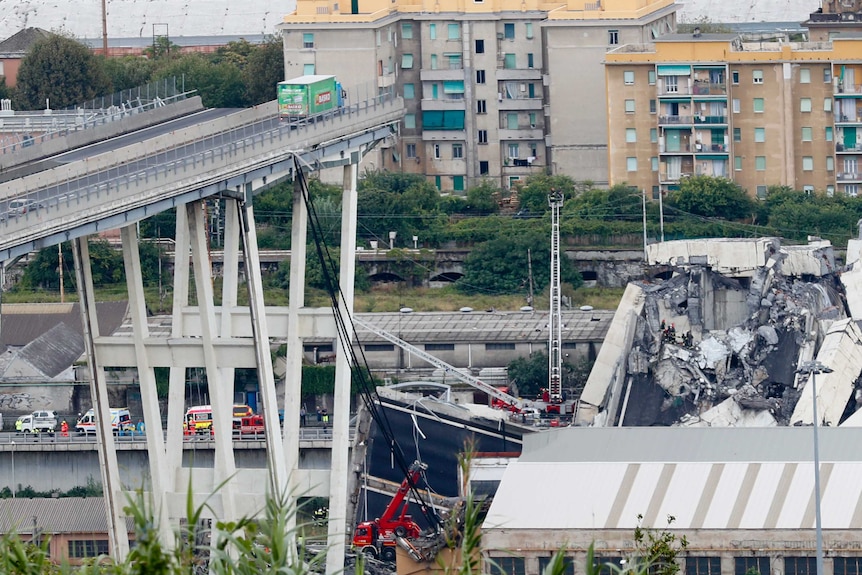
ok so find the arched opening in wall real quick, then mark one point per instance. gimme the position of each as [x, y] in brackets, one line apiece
[445, 278]
[385, 277]
[591, 278]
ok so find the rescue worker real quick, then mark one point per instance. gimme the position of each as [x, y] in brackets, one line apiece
[18, 425]
[64, 429]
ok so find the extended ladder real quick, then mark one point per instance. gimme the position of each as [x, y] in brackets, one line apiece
[555, 317]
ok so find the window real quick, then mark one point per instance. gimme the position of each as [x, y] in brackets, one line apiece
[530, 60]
[528, 27]
[827, 77]
[702, 565]
[533, 123]
[378, 37]
[631, 164]
[630, 106]
[499, 346]
[458, 183]
[514, 148]
[830, 190]
[435, 91]
[436, 151]
[454, 89]
[484, 168]
[827, 104]
[410, 150]
[512, 121]
[410, 121]
[671, 84]
[454, 31]
[433, 61]
[457, 151]
[629, 77]
[807, 164]
[631, 135]
[613, 37]
[507, 565]
[454, 61]
[805, 104]
[800, 565]
[737, 134]
[481, 106]
[567, 561]
[851, 190]
[737, 163]
[308, 40]
[483, 136]
[308, 69]
[830, 164]
[432, 31]
[531, 90]
[605, 563]
[652, 106]
[750, 565]
[437, 182]
[758, 105]
[736, 105]
[757, 76]
[734, 76]
[480, 46]
[759, 165]
[807, 134]
[651, 77]
[81, 548]
[759, 135]
[653, 135]
[654, 163]
[409, 91]
[372, 347]
[828, 133]
[509, 31]
[480, 76]
[847, 565]
[804, 75]
[407, 30]
[439, 347]
[407, 61]
[761, 192]
[509, 61]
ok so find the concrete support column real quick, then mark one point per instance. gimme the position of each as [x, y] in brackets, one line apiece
[338, 521]
[230, 280]
[260, 331]
[293, 357]
[114, 499]
[159, 472]
[221, 392]
[177, 383]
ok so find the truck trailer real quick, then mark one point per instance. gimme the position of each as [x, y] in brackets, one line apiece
[307, 96]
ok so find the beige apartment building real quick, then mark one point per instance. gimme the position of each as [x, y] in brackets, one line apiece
[494, 89]
[761, 113]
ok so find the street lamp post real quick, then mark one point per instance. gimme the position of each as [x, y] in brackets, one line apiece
[415, 242]
[813, 368]
[392, 240]
[13, 469]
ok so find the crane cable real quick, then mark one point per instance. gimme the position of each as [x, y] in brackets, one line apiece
[367, 390]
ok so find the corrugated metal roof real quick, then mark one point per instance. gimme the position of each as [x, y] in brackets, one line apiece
[719, 478]
[60, 515]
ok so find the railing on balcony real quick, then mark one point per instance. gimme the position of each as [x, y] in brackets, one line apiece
[709, 89]
[847, 118]
[710, 119]
[844, 88]
[681, 149]
[664, 90]
[710, 148]
[849, 176]
[846, 148]
[675, 119]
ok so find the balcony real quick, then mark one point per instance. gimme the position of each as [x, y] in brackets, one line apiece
[709, 89]
[843, 148]
[444, 135]
[518, 74]
[676, 120]
[441, 75]
[520, 104]
[710, 148]
[849, 176]
[845, 118]
[443, 104]
[710, 120]
[848, 90]
[521, 134]
[671, 91]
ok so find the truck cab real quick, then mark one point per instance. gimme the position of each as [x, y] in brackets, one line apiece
[38, 421]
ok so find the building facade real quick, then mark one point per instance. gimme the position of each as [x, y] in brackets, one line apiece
[761, 114]
[495, 89]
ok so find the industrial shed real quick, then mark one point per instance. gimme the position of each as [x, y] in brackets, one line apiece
[743, 497]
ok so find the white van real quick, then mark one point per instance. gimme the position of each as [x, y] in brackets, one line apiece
[45, 421]
[121, 422]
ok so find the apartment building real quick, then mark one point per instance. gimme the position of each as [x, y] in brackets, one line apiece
[494, 89]
[761, 113]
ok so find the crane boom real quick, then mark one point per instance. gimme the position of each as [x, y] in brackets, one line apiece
[440, 364]
[555, 317]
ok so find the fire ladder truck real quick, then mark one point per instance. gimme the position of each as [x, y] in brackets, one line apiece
[555, 317]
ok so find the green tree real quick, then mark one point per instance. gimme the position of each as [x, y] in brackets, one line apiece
[128, 72]
[530, 374]
[263, 70]
[481, 199]
[162, 48]
[42, 271]
[501, 265]
[712, 197]
[533, 195]
[406, 204]
[659, 549]
[219, 85]
[60, 71]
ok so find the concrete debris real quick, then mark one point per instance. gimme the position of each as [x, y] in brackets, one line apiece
[717, 340]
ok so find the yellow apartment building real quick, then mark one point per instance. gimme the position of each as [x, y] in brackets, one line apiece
[494, 89]
[761, 113]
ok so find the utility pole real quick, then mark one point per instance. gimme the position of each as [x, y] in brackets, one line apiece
[60, 268]
[530, 277]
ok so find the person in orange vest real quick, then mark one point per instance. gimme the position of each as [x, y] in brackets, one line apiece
[64, 429]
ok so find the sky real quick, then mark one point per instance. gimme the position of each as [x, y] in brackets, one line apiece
[143, 19]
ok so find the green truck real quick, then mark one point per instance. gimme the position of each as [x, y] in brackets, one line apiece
[306, 96]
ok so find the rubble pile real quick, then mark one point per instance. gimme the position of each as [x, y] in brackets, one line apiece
[717, 342]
